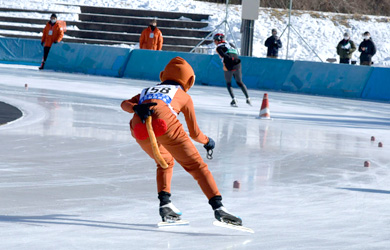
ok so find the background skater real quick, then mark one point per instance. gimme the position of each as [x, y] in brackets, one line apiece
[231, 66]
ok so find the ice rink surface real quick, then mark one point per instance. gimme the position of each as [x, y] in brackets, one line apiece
[72, 177]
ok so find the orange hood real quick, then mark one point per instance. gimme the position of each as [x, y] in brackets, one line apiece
[180, 71]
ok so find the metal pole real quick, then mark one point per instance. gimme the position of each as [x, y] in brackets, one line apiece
[226, 15]
[306, 43]
[231, 33]
[204, 39]
[283, 32]
[247, 37]
[289, 28]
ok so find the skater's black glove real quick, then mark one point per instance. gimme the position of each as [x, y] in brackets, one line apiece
[42, 43]
[55, 42]
[209, 147]
[143, 111]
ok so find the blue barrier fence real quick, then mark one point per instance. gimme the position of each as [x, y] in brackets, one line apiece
[327, 79]
[378, 86]
[147, 64]
[88, 59]
[338, 80]
[22, 51]
[265, 73]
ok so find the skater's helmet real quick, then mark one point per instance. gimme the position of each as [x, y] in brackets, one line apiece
[219, 37]
[180, 71]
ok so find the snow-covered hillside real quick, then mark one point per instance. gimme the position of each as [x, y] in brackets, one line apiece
[322, 31]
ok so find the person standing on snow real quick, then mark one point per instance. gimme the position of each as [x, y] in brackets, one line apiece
[164, 102]
[273, 44]
[367, 49]
[345, 48]
[231, 67]
[151, 37]
[52, 33]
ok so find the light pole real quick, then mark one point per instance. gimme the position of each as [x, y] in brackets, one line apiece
[250, 13]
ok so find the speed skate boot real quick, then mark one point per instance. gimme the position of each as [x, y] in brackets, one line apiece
[223, 215]
[248, 101]
[42, 66]
[234, 102]
[169, 213]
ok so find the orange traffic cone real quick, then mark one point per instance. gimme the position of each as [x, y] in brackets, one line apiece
[264, 111]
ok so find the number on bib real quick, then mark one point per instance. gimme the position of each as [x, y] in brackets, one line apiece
[162, 92]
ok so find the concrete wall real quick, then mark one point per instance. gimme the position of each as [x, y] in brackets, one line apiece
[347, 81]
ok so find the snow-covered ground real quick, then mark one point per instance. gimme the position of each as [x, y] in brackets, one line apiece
[73, 178]
[322, 31]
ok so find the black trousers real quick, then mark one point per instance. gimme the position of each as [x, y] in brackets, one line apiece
[367, 63]
[45, 53]
[237, 74]
[344, 60]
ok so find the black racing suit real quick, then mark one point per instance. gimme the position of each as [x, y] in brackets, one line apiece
[232, 67]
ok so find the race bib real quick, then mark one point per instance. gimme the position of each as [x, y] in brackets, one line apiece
[161, 92]
[151, 35]
[347, 46]
[50, 32]
[231, 49]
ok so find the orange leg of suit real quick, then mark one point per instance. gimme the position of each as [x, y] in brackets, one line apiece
[180, 147]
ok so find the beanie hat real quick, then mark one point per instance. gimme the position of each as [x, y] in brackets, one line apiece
[53, 15]
[180, 71]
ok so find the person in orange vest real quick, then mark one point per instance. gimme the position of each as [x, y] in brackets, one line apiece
[164, 102]
[151, 37]
[52, 33]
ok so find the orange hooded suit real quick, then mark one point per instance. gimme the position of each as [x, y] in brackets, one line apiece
[173, 142]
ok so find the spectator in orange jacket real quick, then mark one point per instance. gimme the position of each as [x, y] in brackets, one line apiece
[151, 37]
[52, 33]
[164, 102]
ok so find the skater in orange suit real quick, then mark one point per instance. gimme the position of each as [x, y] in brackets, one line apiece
[164, 102]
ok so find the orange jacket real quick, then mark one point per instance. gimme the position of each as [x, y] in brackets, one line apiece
[151, 39]
[52, 33]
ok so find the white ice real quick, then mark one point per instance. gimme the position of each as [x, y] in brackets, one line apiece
[72, 177]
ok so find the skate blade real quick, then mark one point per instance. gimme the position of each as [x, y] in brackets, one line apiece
[231, 226]
[173, 223]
